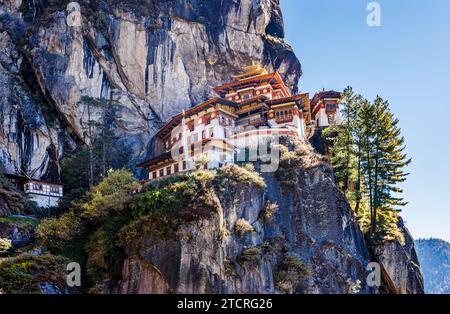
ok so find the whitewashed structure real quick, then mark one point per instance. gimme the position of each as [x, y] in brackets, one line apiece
[256, 105]
[45, 194]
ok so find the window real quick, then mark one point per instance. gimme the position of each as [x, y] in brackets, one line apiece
[331, 106]
[161, 172]
[54, 189]
[169, 170]
[175, 168]
[37, 187]
[208, 121]
[246, 96]
[184, 165]
[153, 174]
[203, 134]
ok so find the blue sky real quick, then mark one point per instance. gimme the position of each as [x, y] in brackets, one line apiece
[407, 61]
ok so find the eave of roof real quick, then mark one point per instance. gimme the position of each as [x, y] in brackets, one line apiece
[175, 120]
[287, 99]
[222, 90]
[164, 156]
[18, 177]
[324, 94]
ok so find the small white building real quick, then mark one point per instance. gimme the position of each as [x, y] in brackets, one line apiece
[45, 194]
[325, 108]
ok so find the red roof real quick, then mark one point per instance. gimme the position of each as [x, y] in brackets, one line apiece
[175, 120]
[253, 81]
[323, 95]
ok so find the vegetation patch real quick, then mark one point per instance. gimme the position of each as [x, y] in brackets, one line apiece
[13, 198]
[166, 204]
[275, 245]
[24, 274]
[289, 272]
[20, 222]
[5, 246]
[250, 254]
[242, 227]
[230, 175]
[269, 210]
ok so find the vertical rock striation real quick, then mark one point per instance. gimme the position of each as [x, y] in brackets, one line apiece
[153, 58]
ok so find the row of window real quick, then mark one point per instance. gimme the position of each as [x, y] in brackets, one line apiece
[160, 173]
[194, 137]
[40, 187]
[249, 95]
[281, 113]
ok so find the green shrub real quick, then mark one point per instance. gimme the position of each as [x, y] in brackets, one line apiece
[386, 229]
[294, 157]
[165, 205]
[5, 245]
[108, 199]
[224, 232]
[289, 272]
[275, 245]
[20, 222]
[55, 233]
[232, 174]
[102, 249]
[250, 254]
[24, 274]
[13, 197]
[270, 208]
[242, 227]
[230, 268]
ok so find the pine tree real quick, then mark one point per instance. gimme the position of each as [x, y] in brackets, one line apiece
[368, 149]
[366, 121]
[343, 148]
[88, 164]
[389, 161]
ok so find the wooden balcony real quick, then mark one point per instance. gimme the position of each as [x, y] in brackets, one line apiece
[284, 118]
[253, 122]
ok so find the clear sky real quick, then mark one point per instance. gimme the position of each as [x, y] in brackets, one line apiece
[407, 61]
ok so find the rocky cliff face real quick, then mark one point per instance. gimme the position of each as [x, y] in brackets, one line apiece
[313, 227]
[401, 268]
[151, 58]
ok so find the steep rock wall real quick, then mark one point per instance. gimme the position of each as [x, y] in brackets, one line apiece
[151, 58]
[314, 222]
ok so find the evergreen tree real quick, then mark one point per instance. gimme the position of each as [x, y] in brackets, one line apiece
[389, 161]
[90, 163]
[366, 120]
[343, 149]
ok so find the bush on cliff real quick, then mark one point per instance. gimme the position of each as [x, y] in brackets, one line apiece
[166, 204]
[5, 246]
[295, 155]
[242, 227]
[230, 175]
[12, 198]
[25, 274]
[289, 272]
[110, 198]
